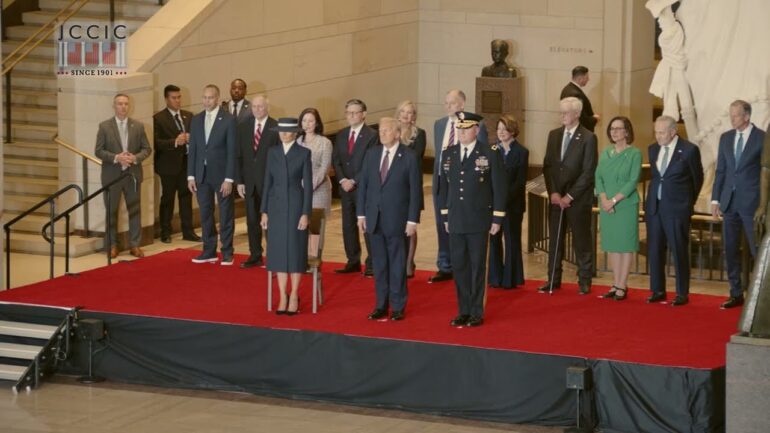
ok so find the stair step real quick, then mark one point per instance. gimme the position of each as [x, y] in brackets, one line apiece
[45, 48]
[30, 330]
[35, 244]
[33, 113]
[101, 7]
[39, 64]
[31, 167]
[34, 80]
[11, 372]
[15, 202]
[29, 184]
[19, 351]
[27, 95]
[36, 131]
[31, 149]
[34, 222]
[39, 18]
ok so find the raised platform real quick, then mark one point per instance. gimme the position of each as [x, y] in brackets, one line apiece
[174, 323]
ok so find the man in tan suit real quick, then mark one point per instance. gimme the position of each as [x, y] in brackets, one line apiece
[122, 145]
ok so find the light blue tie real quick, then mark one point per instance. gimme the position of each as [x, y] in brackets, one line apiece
[565, 143]
[739, 148]
[663, 167]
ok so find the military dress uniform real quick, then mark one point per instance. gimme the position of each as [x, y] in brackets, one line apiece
[472, 198]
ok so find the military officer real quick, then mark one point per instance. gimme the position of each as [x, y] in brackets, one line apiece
[472, 203]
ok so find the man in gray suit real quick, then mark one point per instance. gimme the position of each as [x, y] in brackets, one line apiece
[211, 172]
[238, 106]
[122, 145]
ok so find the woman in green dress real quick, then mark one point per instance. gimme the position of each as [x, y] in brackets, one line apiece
[617, 175]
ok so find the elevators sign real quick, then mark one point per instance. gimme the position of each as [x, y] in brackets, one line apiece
[86, 48]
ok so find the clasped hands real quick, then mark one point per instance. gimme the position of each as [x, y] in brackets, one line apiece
[125, 159]
[303, 220]
[562, 201]
[182, 139]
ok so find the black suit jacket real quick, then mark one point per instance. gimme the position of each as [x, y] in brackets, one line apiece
[682, 180]
[250, 165]
[418, 146]
[219, 153]
[587, 118]
[736, 187]
[169, 159]
[349, 166]
[516, 164]
[392, 203]
[243, 114]
[575, 174]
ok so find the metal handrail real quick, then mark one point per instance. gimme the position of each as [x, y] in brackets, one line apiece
[7, 226]
[45, 28]
[74, 149]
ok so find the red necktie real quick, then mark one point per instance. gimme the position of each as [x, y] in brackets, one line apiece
[384, 167]
[257, 136]
[451, 141]
[351, 141]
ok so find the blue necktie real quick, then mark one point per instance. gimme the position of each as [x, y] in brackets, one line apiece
[739, 148]
[565, 144]
[663, 167]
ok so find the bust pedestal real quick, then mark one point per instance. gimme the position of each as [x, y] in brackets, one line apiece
[495, 96]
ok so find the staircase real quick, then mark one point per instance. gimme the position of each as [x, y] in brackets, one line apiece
[30, 351]
[31, 158]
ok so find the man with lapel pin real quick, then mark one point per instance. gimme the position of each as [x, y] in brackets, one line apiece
[569, 168]
[445, 135]
[350, 146]
[211, 172]
[677, 177]
[238, 106]
[389, 192]
[473, 196]
[255, 136]
[171, 131]
[735, 193]
[121, 144]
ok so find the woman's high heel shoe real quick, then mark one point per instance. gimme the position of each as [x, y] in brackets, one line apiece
[281, 312]
[291, 313]
[611, 293]
[620, 294]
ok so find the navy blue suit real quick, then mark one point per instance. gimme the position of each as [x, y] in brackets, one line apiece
[736, 188]
[387, 206]
[443, 261]
[668, 219]
[210, 163]
[506, 268]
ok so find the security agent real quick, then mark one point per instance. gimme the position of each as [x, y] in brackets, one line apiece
[472, 199]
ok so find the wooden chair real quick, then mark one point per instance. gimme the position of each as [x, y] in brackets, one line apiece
[315, 245]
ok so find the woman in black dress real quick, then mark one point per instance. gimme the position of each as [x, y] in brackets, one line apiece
[506, 268]
[287, 201]
[413, 138]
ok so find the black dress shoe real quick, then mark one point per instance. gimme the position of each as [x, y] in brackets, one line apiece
[397, 315]
[368, 272]
[166, 239]
[460, 320]
[680, 300]
[732, 302]
[547, 287]
[474, 321]
[252, 262]
[585, 288]
[349, 268]
[656, 297]
[440, 276]
[378, 314]
[191, 237]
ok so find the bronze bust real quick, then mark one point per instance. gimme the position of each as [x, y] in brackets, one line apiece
[500, 68]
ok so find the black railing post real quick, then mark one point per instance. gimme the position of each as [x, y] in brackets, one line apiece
[112, 13]
[53, 241]
[7, 258]
[67, 244]
[8, 137]
[85, 192]
[107, 226]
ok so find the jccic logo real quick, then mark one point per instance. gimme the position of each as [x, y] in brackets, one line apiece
[91, 48]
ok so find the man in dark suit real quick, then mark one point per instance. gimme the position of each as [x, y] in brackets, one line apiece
[569, 167]
[255, 136]
[735, 194]
[349, 148]
[677, 177]
[445, 135]
[211, 172]
[121, 144]
[473, 194]
[574, 88]
[238, 106]
[389, 193]
[171, 131]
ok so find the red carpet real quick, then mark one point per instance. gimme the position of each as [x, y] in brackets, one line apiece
[169, 285]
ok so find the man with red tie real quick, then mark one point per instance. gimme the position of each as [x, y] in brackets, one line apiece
[349, 148]
[254, 136]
